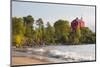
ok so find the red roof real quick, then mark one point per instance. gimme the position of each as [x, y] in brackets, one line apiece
[77, 23]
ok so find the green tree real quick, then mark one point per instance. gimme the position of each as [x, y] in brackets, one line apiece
[50, 34]
[87, 36]
[18, 31]
[77, 35]
[39, 33]
[18, 26]
[28, 22]
[62, 29]
[25, 34]
[39, 22]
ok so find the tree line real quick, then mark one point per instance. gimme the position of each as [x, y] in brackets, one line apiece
[24, 33]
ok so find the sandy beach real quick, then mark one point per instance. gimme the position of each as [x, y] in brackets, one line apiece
[39, 56]
[27, 60]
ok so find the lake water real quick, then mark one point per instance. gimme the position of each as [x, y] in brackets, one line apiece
[64, 53]
[69, 53]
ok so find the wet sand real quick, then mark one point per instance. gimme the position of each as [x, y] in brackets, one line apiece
[27, 60]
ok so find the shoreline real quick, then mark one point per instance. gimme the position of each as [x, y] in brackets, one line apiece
[27, 60]
[51, 55]
[60, 45]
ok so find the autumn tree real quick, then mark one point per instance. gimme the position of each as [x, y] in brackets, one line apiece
[18, 31]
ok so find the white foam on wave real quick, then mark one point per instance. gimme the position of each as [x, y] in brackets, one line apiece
[60, 55]
[68, 56]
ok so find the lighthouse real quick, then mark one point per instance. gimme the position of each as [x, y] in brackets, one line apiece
[77, 23]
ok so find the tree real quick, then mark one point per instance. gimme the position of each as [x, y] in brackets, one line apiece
[77, 35]
[62, 29]
[17, 26]
[39, 22]
[18, 31]
[28, 22]
[39, 33]
[87, 36]
[23, 33]
[50, 34]
[19, 40]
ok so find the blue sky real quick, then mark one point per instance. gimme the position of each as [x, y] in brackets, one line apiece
[53, 12]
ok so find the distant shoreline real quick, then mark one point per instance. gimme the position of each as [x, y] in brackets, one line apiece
[57, 45]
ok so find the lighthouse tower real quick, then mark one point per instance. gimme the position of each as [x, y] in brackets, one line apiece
[77, 23]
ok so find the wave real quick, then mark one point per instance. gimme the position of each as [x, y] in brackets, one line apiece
[60, 56]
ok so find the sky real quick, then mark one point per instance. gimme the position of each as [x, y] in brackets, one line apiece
[53, 12]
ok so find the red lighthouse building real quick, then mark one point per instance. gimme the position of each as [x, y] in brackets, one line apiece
[77, 23]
